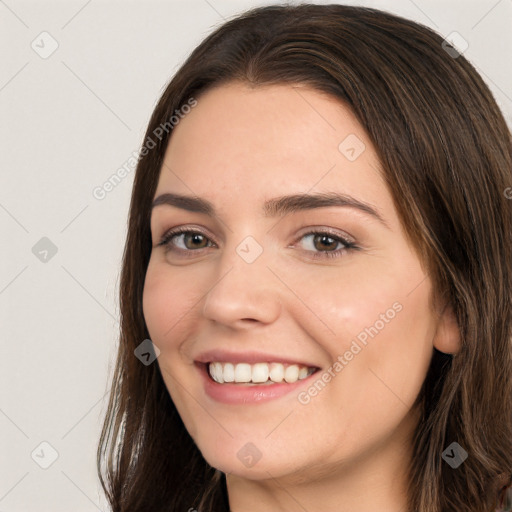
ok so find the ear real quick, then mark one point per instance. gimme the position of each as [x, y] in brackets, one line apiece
[447, 338]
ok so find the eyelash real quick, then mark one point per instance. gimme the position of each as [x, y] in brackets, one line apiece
[348, 246]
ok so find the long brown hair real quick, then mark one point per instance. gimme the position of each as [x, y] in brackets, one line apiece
[446, 155]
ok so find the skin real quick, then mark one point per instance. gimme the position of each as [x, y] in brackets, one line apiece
[350, 445]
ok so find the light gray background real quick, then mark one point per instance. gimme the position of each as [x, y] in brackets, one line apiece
[68, 122]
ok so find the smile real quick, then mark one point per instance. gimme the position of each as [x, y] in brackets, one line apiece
[258, 373]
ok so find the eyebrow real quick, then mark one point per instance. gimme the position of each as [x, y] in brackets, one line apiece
[276, 206]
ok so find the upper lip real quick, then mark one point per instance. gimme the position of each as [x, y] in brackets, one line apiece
[224, 356]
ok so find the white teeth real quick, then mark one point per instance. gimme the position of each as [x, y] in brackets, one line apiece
[242, 372]
[258, 373]
[291, 374]
[276, 372]
[229, 372]
[303, 373]
[217, 372]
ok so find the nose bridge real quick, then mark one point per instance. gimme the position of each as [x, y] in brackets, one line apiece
[246, 289]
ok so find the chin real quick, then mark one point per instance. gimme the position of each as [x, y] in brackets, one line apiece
[246, 460]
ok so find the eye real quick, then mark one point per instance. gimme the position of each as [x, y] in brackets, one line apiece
[321, 243]
[183, 240]
[325, 242]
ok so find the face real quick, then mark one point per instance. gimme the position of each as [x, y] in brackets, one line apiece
[288, 288]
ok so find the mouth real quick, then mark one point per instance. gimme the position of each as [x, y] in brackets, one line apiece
[244, 378]
[244, 384]
[257, 374]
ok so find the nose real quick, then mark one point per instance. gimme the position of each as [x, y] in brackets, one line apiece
[243, 293]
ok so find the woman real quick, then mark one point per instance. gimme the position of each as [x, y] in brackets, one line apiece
[319, 250]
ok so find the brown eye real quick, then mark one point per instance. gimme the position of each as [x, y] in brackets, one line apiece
[184, 240]
[324, 242]
[197, 240]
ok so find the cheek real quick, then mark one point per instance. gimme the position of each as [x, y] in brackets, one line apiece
[356, 299]
[369, 298]
[157, 303]
[390, 330]
[378, 320]
[168, 307]
[167, 302]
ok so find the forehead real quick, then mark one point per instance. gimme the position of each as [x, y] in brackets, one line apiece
[254, 143]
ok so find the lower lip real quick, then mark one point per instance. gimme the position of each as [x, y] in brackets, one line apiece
[248, 394]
